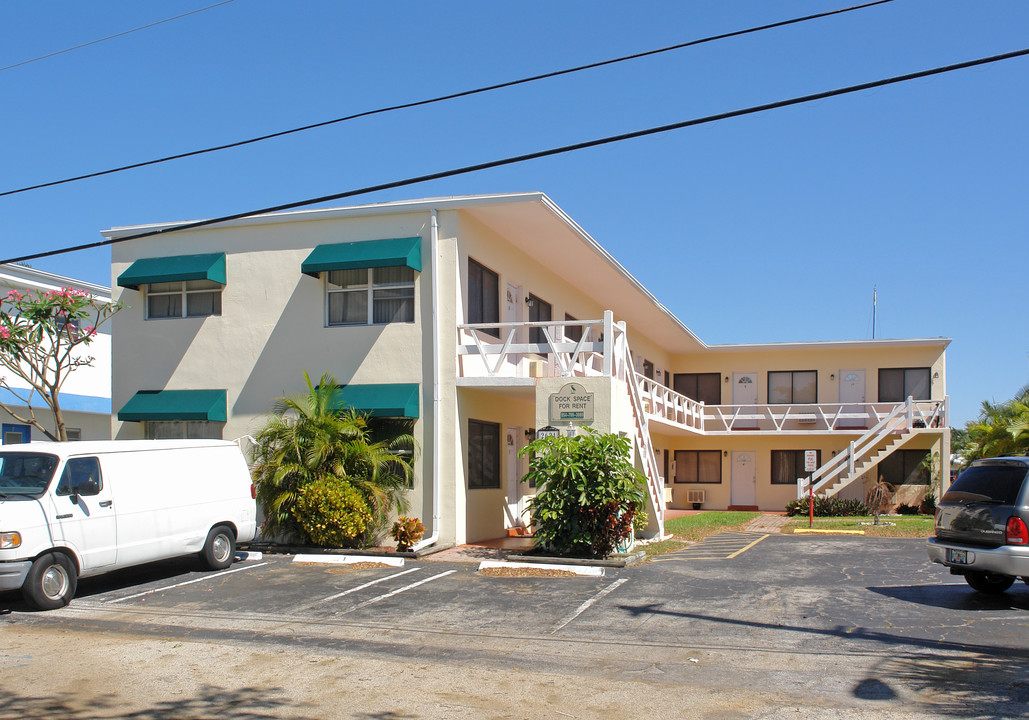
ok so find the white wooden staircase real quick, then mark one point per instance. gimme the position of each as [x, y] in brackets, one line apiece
[863, 454]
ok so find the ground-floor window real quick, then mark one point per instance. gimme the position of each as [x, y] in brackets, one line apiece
[788, 466]
[698, 466]
[904, 467]
[483, 454]
[183, 430]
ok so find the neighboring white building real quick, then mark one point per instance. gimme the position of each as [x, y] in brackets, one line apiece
[470, 317]
[86, 397]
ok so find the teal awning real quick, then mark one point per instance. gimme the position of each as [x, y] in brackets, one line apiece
[174, 269]
[393, 252]
[175, 405]
[396, 400]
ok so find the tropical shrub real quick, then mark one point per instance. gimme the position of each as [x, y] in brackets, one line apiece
[827, 507]
[308, 439]
[588, 493]
[331, 512]
[905, 509]
[407, 531]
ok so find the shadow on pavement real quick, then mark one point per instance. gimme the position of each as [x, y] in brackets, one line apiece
[239, 704]
[957, 597]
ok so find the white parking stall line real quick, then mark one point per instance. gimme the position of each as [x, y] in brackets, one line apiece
[412, 586]
[586, 605]
[181, 584]
[362, 587]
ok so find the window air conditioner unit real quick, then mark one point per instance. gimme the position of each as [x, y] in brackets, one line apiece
[695, 496]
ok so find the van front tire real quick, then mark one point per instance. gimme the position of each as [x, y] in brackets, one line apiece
[50, 582]
[219, 548]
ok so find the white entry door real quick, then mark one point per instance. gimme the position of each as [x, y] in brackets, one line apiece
[852, 390]
[513, 312]
[743, 483]
[744, 398]
[516, 489]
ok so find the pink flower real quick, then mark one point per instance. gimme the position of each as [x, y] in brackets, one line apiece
[90, 331]
[5, 334]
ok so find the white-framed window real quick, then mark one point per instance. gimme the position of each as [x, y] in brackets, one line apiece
[183, 430]
[190, 298]
[370, 296]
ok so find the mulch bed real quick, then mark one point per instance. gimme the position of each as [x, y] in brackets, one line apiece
[527, 572]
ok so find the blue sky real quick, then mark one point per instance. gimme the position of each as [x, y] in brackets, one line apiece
[771, 227]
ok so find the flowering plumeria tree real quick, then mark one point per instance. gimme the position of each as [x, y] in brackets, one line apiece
[42, 336]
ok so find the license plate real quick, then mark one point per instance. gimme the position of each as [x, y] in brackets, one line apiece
[962, 557]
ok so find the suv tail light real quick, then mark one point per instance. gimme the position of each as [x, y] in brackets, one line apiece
[253, 491]
[1017, 532]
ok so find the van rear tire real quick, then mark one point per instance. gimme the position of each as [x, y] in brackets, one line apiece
[219, 548]
[50, 582]
[988, 583]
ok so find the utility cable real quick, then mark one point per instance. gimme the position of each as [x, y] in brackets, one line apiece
[112, 37]
[534, 155]
[442, 98]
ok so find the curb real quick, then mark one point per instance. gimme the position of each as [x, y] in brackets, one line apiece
[586, 570]
[333, 559]
[618, 561]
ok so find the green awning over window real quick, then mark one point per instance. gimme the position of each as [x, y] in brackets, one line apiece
[393, 252]
[174, 269]
[176, 405]
[398, 400]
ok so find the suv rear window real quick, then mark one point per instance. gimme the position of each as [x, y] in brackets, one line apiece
[995, 484]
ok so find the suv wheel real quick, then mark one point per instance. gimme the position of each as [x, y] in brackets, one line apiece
[989, 583]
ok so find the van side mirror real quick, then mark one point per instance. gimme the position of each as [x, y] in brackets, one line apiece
[88, 486]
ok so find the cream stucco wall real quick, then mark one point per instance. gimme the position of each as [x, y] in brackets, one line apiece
[272, 328]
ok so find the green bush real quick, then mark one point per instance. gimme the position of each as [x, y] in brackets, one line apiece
[331, 512]
[905, 509]
[588, 493]
[827, 507]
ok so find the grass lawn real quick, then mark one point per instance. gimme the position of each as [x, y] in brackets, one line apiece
[692, 528]
[907, 526]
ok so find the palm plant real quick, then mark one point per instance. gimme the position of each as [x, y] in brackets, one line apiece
[879, 496]
[308, 439]
[1000, 429]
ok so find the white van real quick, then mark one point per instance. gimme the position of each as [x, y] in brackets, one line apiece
[75, 509]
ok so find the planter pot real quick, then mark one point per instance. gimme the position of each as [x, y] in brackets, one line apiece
[696, 506]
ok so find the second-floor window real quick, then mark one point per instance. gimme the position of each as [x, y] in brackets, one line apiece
[483, 296]
[190, 298]
[898, 384]
[702, 387]
[539, 311]
[371, 296]
[793, 387]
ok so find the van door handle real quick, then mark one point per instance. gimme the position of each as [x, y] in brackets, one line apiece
[106, 503]
[64, 517]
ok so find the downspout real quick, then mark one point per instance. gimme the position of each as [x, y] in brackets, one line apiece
[436, 442]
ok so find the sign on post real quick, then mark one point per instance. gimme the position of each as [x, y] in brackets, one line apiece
[571, 404]
[810, 460]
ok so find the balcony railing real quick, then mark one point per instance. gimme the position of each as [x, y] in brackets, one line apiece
[504, 350]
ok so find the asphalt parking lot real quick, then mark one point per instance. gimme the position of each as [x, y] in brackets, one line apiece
[837, 619]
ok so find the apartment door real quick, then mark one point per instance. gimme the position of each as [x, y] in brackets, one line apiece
[744, 397]
[517, 491]
[513, 312]
[743, 482]
[852, 390]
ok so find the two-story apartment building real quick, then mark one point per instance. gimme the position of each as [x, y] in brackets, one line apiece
[468, 317]
[86, 395]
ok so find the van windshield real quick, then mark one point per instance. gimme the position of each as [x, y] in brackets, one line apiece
[25, 473]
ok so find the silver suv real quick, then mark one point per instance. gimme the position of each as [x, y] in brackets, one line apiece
[981, 524]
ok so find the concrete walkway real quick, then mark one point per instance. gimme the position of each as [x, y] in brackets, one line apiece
[768, 523]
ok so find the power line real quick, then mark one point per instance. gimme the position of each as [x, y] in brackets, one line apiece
[112, 37]
[536, 155]
[442, 98]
